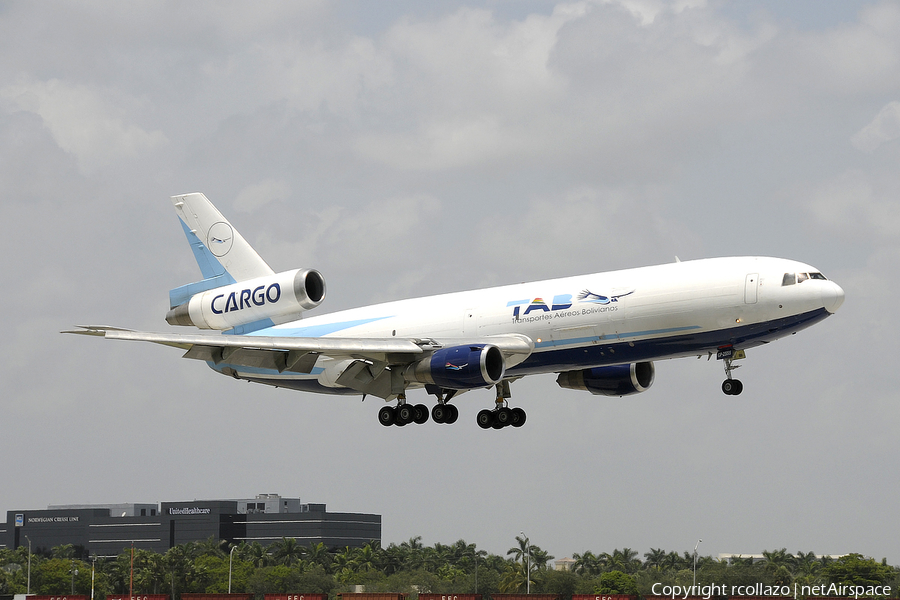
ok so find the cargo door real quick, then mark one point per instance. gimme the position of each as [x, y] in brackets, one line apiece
[751, 288]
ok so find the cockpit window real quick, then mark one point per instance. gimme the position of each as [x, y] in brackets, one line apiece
[792, 278]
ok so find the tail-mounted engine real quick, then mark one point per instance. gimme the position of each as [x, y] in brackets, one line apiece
[278, 298]
[460, 367]
[616, 380]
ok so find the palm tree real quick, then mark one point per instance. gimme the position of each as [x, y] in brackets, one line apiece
[539, 558]
[514, 579]
[806, 563]
[368, 557]
[776, 559]
[209, 547]
[318, 554]
[286, 551]
[624, 560]
[257, 555]
[65, 551]
[343, 563]
[655, 559]
[519, 553]
[587, 564]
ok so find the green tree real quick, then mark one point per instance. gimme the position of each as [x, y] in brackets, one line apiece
[318, 554]
[624, 560]
[616, 582]
[856, 569]
[655, 559]
[56, 576]
[286, 551]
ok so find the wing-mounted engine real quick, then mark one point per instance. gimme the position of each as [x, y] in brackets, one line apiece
[460, 367]
[271, 299]
[616, 380]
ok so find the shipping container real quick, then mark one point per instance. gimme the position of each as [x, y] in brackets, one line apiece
[296, 596]
[449, 596]
[216, 596]
[373, 596]
[138, 597]
[603, 597]
[57, 597]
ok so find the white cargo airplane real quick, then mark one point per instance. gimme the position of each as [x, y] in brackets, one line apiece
[598, 332]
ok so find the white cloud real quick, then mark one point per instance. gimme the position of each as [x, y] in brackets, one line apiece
[885, 127]
[83, 121]
[856, 205]
[259, 194]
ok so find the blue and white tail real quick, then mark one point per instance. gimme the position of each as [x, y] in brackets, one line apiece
[223, 254]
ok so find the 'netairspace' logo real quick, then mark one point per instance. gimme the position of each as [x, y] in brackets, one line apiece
[562, 303]
[682, 592]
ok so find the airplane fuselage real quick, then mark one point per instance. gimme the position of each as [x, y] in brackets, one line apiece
[649, 313]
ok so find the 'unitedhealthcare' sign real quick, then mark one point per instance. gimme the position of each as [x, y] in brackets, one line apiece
[189, 511]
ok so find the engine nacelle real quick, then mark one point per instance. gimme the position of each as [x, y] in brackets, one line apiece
[616, 380]
[276, 297]
[460, 367]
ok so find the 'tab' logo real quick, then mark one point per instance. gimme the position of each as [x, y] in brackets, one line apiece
[560, 302]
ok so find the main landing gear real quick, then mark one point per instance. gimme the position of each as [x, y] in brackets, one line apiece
[502, 415]
[404, 414]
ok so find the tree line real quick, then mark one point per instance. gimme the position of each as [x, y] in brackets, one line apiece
[286, 566]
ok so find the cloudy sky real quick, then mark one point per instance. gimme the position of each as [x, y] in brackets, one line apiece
[410, 148]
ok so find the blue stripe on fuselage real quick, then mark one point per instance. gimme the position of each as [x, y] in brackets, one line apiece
[607, 352]
[315, 330]
[617, 352]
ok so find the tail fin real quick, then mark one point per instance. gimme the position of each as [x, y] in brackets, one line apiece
[223, 254]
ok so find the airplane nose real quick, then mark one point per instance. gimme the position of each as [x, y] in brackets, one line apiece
[832, 297]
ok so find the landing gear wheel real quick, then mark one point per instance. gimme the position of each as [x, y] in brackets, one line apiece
[405, 414]
[439, 413]
[454, 414]
[485, 419]
[503, 416]
[386, 416]
[518, 417]
[421, 414]
[732, 387]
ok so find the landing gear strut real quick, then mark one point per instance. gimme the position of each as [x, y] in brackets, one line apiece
[443, 411]
[502, 415]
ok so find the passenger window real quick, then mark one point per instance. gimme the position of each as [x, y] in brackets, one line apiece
[789, 279]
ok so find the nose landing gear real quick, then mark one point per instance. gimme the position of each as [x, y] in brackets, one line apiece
[732, 387]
